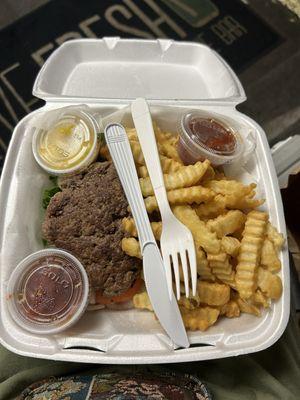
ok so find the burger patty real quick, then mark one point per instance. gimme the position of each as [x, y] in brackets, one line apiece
[85, 219]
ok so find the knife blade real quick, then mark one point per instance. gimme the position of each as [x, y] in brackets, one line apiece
[166, 311]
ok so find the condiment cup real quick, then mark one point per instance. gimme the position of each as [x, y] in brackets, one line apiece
[48, 291]
[192, 148]
[65, 141]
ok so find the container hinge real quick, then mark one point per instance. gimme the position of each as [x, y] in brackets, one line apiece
[111, 41]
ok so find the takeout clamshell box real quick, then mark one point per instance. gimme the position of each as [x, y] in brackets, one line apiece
[106, 75]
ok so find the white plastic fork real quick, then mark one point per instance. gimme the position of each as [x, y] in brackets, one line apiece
[176, 241]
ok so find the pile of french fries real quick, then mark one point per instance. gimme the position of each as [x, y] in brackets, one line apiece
[236, 246]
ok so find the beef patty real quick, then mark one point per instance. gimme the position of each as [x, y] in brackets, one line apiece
[85, 219]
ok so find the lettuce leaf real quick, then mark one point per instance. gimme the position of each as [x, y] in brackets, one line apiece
[48, 194]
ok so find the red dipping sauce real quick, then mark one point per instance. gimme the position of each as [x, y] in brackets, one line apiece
[48, 291]
[212, 135]
[205, 137]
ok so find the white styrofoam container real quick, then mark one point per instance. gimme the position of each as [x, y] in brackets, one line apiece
[107, 74]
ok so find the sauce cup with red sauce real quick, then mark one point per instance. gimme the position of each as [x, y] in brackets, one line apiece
[208, 136]
[48, 291]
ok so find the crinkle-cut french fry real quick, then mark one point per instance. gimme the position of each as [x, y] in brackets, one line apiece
[128, 226]
[202, 235]
[174, 142]
[104, 153]
[137, 152]
[165, 137]
[204, 272]
[151, 204]
[139, 157]
[131, 247]
[142, 301]
[131, 134]
[220, 203]
[238, 234]
[230, 187]
[160, 136]
[167, 164]
[230, 309]
[184, 177]
[142, 171]
[222, 268]
[190, 195]
[173, 139]
[269, 283]
[203, 268]
[248, 307]
[249, 253]
[156, 228]
[228, 223]
[212, 208]
[269, 258]
[209, 174]
[242, 203]
[213, 294]
[230, 245]
[220, 257]
[169, 150]
[200, 318]
[276, 238]
[260, 299]
[190, 303]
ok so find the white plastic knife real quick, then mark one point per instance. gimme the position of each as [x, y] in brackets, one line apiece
[166, 310]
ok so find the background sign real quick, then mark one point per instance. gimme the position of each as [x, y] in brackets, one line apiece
[229, 27]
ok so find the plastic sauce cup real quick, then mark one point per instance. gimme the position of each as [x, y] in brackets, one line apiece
[48, 291]
[66, 144]
[208, 136]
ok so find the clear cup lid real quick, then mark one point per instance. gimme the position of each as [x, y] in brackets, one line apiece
[65, 139]
[47, 291]
[212, 134]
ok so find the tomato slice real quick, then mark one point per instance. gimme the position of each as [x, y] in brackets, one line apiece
[121, 298]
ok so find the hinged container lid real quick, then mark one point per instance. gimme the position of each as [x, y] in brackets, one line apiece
[119, 70]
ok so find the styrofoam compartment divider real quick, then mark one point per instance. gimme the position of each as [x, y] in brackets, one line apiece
[89, 71]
